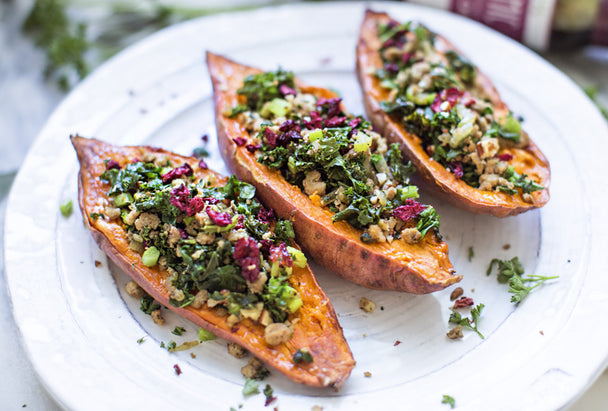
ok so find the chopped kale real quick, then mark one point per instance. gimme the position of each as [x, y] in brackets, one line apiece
[147, 304]
[178, 331]
[261, 88]
[462, 66]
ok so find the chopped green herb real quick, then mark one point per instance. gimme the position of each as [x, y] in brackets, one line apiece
[147, 304]
[268, 391]
[511, 272]
[264, 87]
[302, 355]
[471, 253]
[66, 208]
[178, 331]
[470, 323]
[141, 340]
[251, 387]
[448, 400]
[171, 345]
[95, 216]
[204, 335]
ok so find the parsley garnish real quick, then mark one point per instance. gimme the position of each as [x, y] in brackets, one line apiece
[141, 340]
[512, 271]
[466, 322]
[178, 331]
[448, 400]
[471, 253]
[251, 387]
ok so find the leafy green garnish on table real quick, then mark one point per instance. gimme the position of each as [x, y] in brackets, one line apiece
[448, 400]
[512, 272]
[591, 92]
[71, 49]
[64, 41]
[471, 253]
[66, 208]
[466, 322]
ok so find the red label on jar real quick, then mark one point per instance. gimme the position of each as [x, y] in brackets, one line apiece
[506, 16]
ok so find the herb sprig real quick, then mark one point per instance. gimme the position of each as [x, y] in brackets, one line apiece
[511, 272]
[466, 322]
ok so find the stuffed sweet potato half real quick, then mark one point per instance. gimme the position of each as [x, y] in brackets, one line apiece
[345, 191]
[201, 245]
[467, 147]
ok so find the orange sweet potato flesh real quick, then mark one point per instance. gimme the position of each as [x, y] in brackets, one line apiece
[417, 268]
[436, 178]
[316, 325]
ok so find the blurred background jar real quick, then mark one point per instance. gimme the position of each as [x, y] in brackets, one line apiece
[539, 24]
[579, 22]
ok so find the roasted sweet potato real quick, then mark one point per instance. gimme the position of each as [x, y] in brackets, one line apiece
[313, 325]
[420, 92]
[419, 267]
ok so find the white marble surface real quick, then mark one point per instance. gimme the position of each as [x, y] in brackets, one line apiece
[21, 118]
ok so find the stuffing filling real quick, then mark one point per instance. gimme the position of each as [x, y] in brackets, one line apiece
[436, 97]
[335, 158]
[219, 247]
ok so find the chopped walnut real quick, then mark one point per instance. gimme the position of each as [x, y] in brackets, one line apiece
[157, 317]
[236, 350]
[134, 290]
[147, 220]
[277, 333]
[367, 305]
[455, 332]
[258, 285]
[253, 367]
[112, 212]
[411, 235]
[199, 299]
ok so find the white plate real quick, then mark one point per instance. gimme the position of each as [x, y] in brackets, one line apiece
[81, 331]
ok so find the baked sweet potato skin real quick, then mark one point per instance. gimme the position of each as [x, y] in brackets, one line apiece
[317, 326]
[431, 174]
[419, 268]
